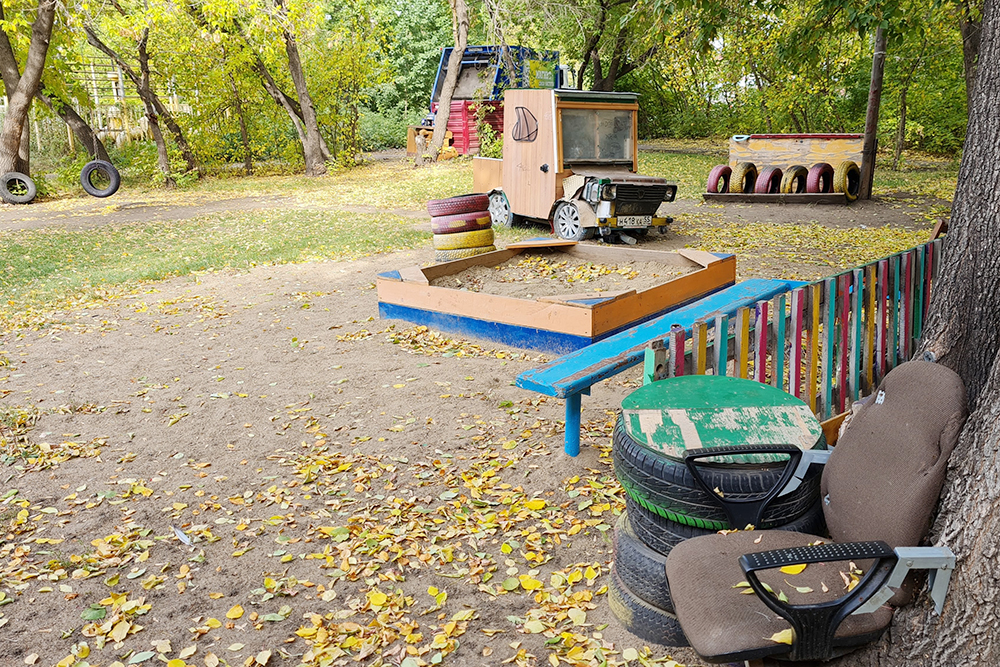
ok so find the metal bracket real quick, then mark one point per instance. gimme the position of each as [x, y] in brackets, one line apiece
[940, 561]
[809, 457]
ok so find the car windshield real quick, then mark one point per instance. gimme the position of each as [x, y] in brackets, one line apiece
[596, 135]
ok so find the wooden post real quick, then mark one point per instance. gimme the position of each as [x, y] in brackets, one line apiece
[871, 119]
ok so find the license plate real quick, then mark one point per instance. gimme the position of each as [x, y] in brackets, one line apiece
[634, 220]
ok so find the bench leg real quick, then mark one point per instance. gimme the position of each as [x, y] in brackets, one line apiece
[572, 432]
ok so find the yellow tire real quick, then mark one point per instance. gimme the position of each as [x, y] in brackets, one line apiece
[449, 255]
[475, 239]
[793, 182]
[847, 179]
[743, 178]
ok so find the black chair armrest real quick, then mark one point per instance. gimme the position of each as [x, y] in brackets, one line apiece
[742, 512]
[814, 625]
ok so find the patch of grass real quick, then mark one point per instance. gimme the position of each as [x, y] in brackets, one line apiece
[689, 171]
[52, 269]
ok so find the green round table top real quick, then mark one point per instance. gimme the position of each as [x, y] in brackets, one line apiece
[704, 411]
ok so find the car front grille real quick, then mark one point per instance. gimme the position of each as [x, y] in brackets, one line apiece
[638, 199]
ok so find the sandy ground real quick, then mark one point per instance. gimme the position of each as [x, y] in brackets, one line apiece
[262, 445]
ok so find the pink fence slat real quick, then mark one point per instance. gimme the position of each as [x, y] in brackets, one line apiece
[760, 342]
[843, 361]
[795, 336]
[677, 341]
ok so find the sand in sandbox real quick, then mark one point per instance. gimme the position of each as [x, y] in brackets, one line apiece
[533, 275]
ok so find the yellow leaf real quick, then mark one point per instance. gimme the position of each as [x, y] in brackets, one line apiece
[235, 647]
[211, 660]
[528, 583]
[176, 662]
[213, 623]
[235, 612]
[216, 596]
[120, 630]
[188, 652]
[377, 598]
[262, 657]
[783, 637]
[535, 504]
[630, 654]
[793, 569]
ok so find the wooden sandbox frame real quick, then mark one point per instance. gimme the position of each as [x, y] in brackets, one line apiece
[550, 323]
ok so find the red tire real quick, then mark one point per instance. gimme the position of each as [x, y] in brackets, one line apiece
[457, 205]
[720, 172]
[463, 222]
[820, 178]
[768, 181]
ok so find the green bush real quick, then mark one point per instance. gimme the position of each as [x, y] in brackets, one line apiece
[386, 129]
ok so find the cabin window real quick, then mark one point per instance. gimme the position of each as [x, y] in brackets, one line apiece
[596, 135]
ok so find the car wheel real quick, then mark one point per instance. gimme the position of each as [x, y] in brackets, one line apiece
[500, 212]
[17, 188]
[567, 224]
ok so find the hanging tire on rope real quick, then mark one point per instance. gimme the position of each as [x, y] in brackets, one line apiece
[793, 181]
[820, 179]
[99, 178]
[768, 181]
[847, 179]
[743, 178]
[17, 188]
[720, 174]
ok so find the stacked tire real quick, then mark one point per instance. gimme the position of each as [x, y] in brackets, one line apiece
[822, 177]
[665, 506]
[462, 227]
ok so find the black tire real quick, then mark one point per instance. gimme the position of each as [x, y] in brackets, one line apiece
[665, 486]
[662, 535]
[109, 171]
[457, 205]
[641, 619]
[641, 569]
[17, 188]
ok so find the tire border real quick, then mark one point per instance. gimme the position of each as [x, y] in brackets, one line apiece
[9, 196]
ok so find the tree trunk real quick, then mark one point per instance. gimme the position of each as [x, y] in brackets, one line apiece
[460, 30]
[900, 131]
[168, 119]
[81, 128]
[871, 118]
[14, 155]
[970, 27]
[312, 146]
[963, 332]
[244, 135]
[145, 91]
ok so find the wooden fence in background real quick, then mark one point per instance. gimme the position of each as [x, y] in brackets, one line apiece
[829, 342]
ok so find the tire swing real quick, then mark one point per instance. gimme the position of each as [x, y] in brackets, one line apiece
[110, 178]
[17, 188]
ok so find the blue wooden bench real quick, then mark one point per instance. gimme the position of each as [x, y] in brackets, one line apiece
[572, 375]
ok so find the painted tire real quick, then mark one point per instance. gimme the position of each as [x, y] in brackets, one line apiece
[642, 619]
[17, 188]
[820, 178]
[743, 178]
[105, 168]
[450, 255]
[463, 222]
[456, 205]
[793, 182]
[662, 535]
[768, 181]
[664, 486]
[641, 569]
[721, 172]
[847, 179]
[460, 240]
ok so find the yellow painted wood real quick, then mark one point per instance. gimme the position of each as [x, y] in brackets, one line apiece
[487, 173]
[784, 153]
[699, 347]
[742, 360]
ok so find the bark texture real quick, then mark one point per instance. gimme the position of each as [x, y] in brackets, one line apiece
[871, 118]
[460, 30]
[13, 147]
[81, 129]
[971, 25]
[963, 332]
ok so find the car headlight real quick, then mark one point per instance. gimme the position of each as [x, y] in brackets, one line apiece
[608, 192]
[670, 193]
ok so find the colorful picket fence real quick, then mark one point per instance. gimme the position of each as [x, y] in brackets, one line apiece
[829, 342]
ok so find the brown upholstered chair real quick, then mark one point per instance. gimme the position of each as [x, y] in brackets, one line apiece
[880, 486]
